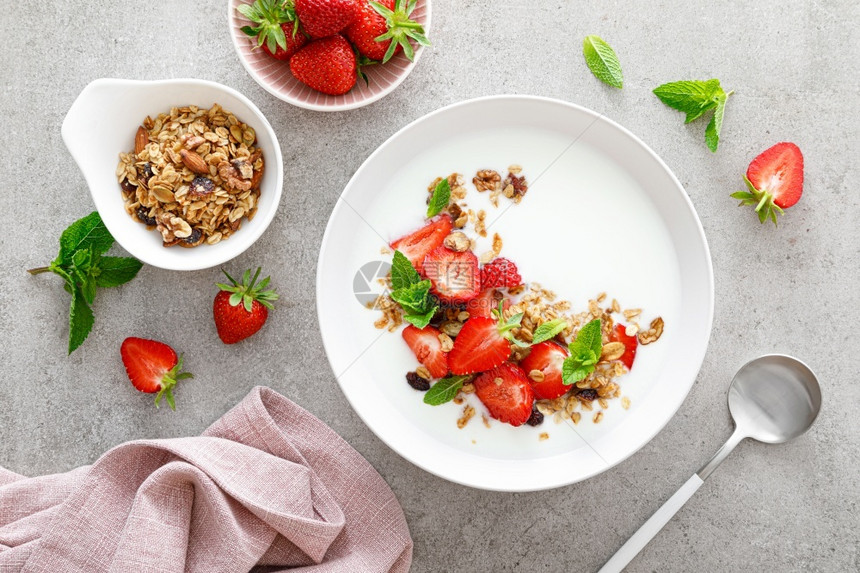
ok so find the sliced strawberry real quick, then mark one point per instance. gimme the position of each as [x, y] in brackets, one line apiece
[454, 275]
[774, 181]
[548, 358]
[485, 303]
[619, 334]
[415, 246]
[506, 393]
[480, 345]
[500, 273]
[152, 367]
[427, 347]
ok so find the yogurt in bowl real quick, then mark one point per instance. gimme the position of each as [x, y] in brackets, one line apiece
[103, 122]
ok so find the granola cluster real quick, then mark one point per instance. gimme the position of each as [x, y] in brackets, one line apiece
[194, 175]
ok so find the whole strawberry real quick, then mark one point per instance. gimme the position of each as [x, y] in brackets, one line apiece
[275, 27]
[152, 366]
[241, 308]
[321, 18]
[382, 28]
[327, 65]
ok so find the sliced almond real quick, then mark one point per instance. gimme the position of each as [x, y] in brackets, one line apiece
[141, 138]
[194, 162]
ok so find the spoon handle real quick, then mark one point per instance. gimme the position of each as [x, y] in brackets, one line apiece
[651, 527]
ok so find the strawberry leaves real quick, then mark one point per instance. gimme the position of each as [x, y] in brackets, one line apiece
[83, 268]
[763, 201]
[584, 353]
[695, 98]
[400, 28]
[268, 15]
[602, 61]
[411, 292]
[247, 291]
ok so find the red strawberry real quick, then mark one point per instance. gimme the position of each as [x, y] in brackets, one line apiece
[506, 393]
[619, 334]
[381, 30]
[454, 275]
[500, 273]
[276, 28]
[321, 18]
[485, 303]
[482, 344]
[427, 347]
[152, 367]
[241, 309]
[774, 181]
[415, 246]
[327, 65]
[547, 357]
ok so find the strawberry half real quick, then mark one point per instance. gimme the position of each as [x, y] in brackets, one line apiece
[485, 303]
[415, 246]
[427, 347]
[506, 393]
[152, 367]
[482, 344]
[500, 273]
[454, 276]
[321, 18]
[774, 181]
[547, 357]
[619, 334]
[275, 27]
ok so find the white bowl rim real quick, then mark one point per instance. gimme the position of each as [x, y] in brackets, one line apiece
[699, 359]
[240, 243]
[333, 106]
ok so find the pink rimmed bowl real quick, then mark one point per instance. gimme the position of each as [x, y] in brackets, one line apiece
[275, 76]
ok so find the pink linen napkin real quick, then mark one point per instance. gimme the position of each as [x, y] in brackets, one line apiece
[267, 485]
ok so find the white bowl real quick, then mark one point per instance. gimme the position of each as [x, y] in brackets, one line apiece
[275, 77]
[102, 123]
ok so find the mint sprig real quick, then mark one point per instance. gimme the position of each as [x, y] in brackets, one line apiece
[695, 98]
[440, 198]
[584, 353]
[411, 292]
[84, 268]
[548, 330]
[444, 390]
[602, 61]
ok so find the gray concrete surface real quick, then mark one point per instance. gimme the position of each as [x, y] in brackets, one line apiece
[792, 289]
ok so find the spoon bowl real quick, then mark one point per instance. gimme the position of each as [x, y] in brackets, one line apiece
[774, 398]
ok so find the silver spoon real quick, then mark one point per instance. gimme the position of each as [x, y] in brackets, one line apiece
[773, 399]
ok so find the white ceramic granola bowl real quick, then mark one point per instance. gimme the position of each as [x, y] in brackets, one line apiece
[102, 123]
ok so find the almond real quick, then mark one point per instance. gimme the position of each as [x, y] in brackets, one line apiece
[194, 162]
[613, 351]
[141, 138]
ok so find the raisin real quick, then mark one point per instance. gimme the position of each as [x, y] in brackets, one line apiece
[201, 186]
[127, 186]
[143, 216]
[146, 173]
[588, 394]
[417, 382]
[536, 419]
[194, 237]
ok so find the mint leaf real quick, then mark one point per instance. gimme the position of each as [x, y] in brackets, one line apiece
[115, 271]
[584, 353]
[691, 97]
[602, 61]
[414, 298]
[695, 98]
[548, 330]
[715, 126]
[81, 320]
[85, 233]
[403, 274]
[421, 320]
[444, 390]
[440, 198]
